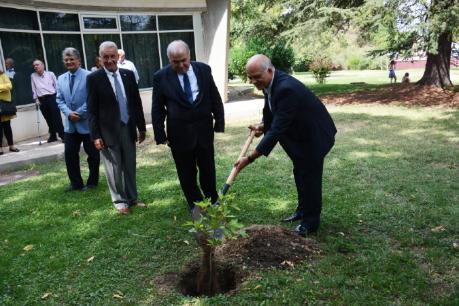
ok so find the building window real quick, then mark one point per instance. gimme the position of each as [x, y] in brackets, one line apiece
[142, 49]
[144, 38]
[23, 48]
[97, 23]
[138, 23]
[55, 44]
[59, 22]
[11, 18]
[168, 23]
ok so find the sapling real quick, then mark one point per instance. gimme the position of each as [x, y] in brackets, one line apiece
[212, 224]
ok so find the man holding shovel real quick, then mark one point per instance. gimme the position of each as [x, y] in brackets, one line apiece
[297, 119]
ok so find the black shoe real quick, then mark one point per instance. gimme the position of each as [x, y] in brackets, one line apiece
[91, 186]
[52, 139]
[303, 230]
[295, 217]
[71, 188]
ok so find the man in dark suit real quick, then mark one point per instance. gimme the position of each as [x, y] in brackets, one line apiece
[184, 92]
[115, 111]
[297, 119]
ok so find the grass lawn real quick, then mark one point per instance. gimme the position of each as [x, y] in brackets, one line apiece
[389, 235]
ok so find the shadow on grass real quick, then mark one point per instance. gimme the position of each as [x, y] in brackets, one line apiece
[370, 177]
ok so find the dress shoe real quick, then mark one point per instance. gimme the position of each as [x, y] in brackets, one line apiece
[90, 186]
[71, 188]
[303, 230]
[52, 139]
[14, 150]
[1, 152]
[295, 217]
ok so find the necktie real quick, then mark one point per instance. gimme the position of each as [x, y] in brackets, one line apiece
[72, 81]
[121, 100]
[187, 88]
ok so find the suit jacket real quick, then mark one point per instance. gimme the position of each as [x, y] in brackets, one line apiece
[73, 102]
[187, 124]
[103, 110]
[297, 120]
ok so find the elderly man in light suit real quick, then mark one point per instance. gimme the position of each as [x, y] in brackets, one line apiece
[71, 99]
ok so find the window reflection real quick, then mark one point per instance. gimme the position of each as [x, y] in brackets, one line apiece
[99, 22]
[59, 21]
[138, 23]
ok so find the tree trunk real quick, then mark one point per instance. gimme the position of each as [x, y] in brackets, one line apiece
[437, 67]
[207, 281]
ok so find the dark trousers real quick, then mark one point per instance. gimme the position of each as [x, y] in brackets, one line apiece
[187, 164]
[50, 111]
[72, 144]
[5, 127]
[308, 180]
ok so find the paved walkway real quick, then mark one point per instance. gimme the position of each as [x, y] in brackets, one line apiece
[32, 152]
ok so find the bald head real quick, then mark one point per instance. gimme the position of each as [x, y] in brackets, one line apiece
[259, 71]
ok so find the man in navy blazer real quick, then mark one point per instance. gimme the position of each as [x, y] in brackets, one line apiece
[71, 99]
[184, 92]
[115, 112]
[297, 119]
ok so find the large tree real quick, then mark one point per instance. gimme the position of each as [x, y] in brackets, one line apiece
[412, 27]
[405, 27]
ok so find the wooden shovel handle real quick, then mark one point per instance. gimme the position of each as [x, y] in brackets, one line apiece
[246, 146]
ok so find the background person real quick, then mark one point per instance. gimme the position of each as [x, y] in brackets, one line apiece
[124, 63]
[10, 71]
[71, 99]
[44, 89]
[392, 76]
[115, 111]
[406, 78]
[98, 64]
[5, 120]
[297, 119]
[184, 94]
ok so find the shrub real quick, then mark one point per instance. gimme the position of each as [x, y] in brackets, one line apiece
[302, 63]
[238, 59]
[321, 67]
[279, 52]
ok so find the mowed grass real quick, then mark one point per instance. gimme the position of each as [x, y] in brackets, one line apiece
[389, 233]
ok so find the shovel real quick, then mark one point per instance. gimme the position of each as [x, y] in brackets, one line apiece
[234, 172]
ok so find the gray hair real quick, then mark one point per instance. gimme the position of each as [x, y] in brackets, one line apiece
[176, 46]
[71, 52]
[107, 45]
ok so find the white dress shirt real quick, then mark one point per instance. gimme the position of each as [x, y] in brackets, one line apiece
[193, 82]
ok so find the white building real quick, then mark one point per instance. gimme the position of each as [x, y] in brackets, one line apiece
[143, 28]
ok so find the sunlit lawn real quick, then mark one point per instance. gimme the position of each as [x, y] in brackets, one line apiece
[389, 236]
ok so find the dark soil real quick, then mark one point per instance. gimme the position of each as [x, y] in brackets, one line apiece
[398, 94]
[228, 278]
[266, 246]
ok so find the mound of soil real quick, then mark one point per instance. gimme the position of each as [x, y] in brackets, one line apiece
[266, 246]
[399, 94]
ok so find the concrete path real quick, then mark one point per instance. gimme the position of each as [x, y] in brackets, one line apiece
[31, 152]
